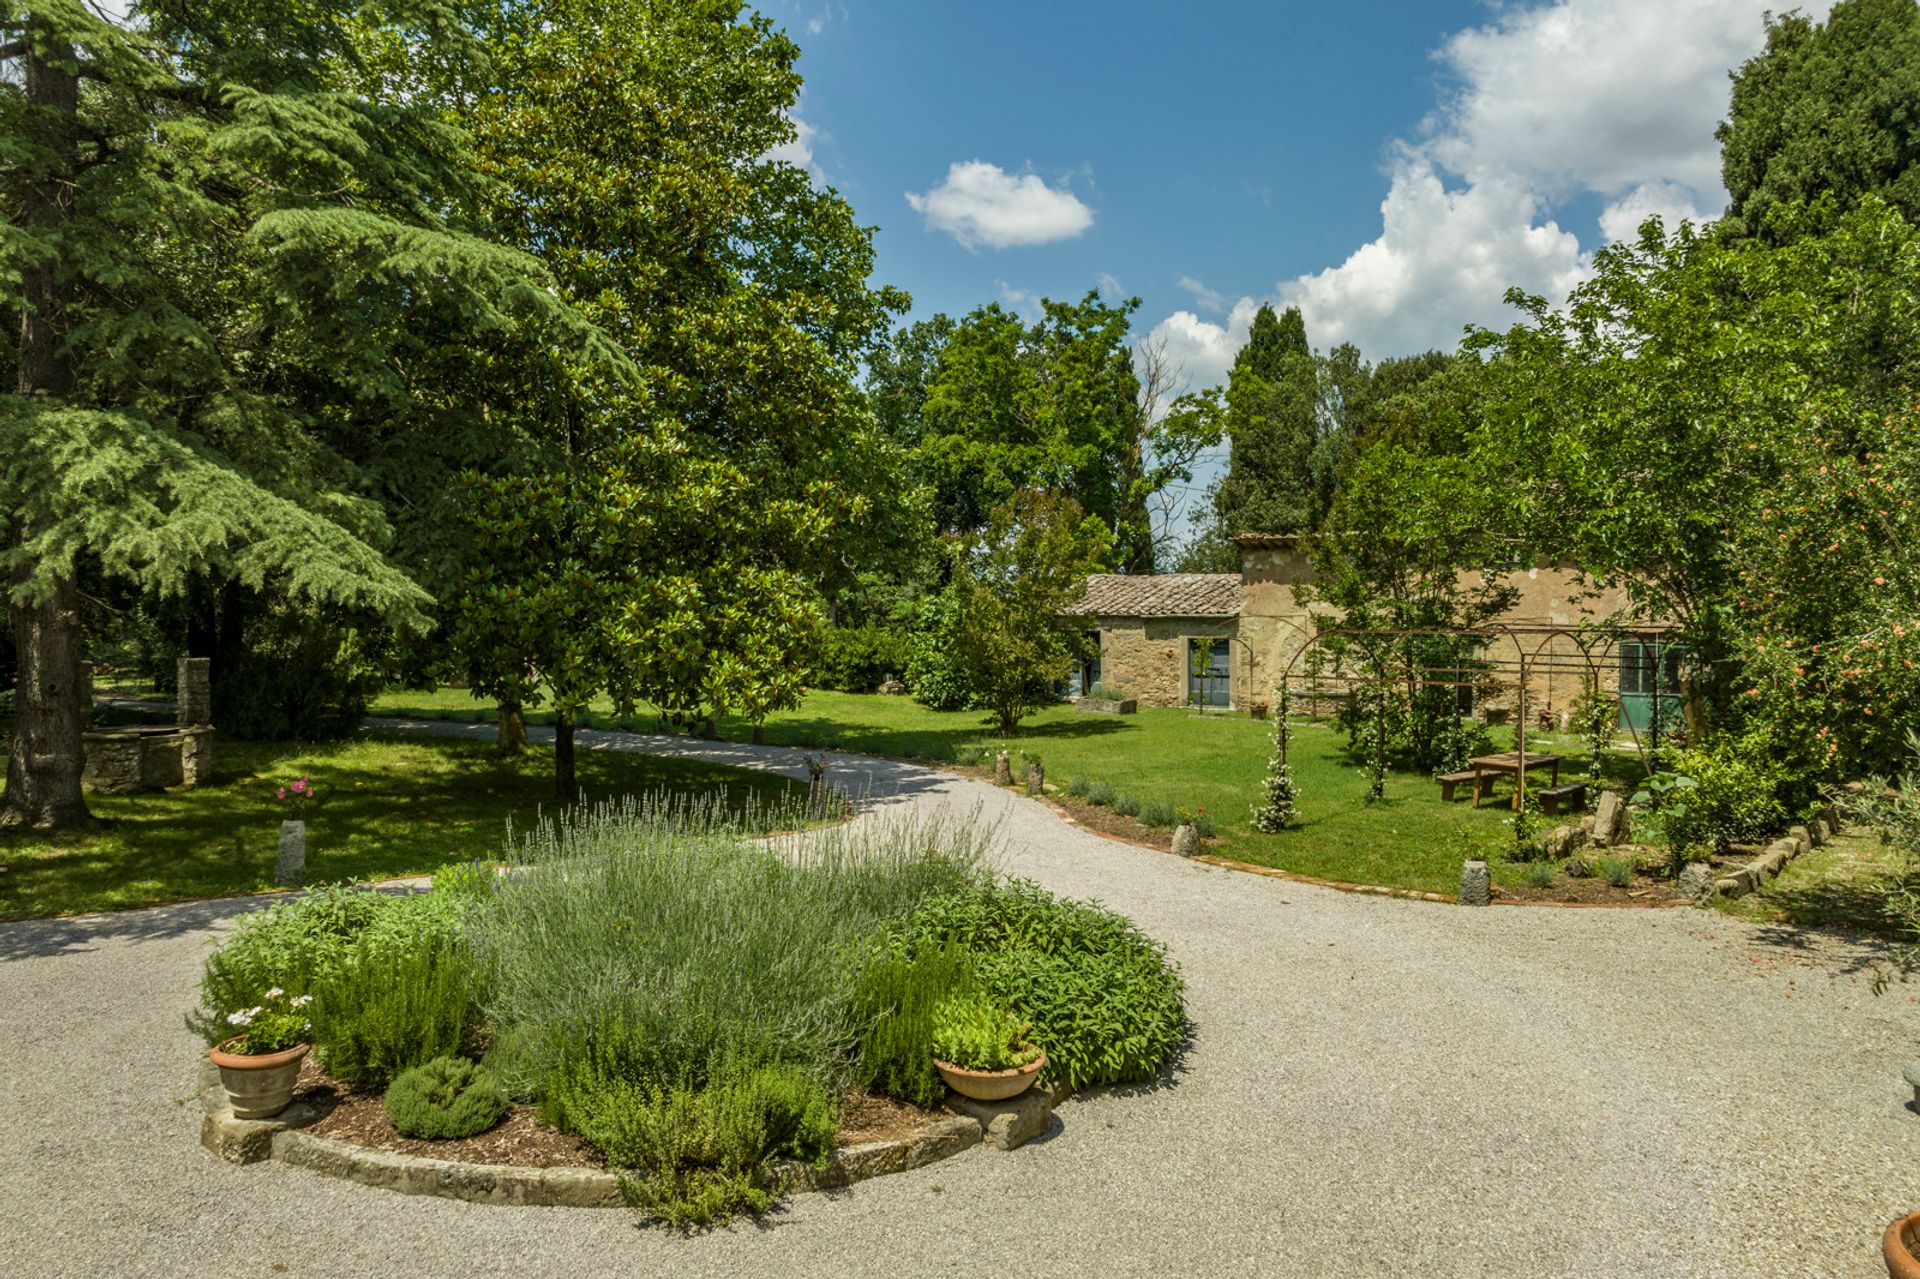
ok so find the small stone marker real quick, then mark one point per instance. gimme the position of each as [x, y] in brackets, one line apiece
[1609, 820]
[1002, 770]
[193, 692]
[1476, 884]
[1036, 779]
[291, 871]
[1186, 840]
[1696, 880]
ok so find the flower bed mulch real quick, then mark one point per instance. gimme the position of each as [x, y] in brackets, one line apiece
[522, 1141]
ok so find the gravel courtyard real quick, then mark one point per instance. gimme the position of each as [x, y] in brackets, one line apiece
[1374, 1087]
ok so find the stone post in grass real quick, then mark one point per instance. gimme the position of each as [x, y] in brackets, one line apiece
[1476, 884]
[1036, 779]
[1002, 770]
[291, 870]
[1186, 840]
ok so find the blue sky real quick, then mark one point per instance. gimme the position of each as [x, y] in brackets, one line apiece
[1392, 168]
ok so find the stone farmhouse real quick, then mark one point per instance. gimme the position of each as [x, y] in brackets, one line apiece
[1225, 640]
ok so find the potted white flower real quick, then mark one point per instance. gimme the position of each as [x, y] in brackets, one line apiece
[261, 1063]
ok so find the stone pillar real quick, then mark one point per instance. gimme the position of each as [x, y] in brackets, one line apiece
[1002, 770]
[1476, 884]
[1036, 779]
[292, 867]
[1186, 840]
[193, 700]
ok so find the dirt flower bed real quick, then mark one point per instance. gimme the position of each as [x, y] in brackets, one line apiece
[522, 1141]
[518, 1141]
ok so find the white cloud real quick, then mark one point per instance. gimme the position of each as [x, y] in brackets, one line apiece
[1202, 350]
[1204, 297]
[1552, 101]
[799, 151]
[983, 204]
[1444, 258]
[1110, 287]
[1621, 219]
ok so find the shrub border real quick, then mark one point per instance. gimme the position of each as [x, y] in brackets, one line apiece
[1002, 1126]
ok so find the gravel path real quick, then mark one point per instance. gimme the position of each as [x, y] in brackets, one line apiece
[1375, 1087]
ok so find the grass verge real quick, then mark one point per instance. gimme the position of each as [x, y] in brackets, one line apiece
[386, 807]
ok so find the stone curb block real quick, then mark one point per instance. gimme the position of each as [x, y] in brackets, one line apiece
[1797, 842]
[1003, 1125]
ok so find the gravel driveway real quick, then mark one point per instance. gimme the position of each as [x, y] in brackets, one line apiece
[1375, 1087]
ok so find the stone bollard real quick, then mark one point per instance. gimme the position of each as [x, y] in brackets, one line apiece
[1476, 884]
[291, 871]
[1186, 840]
[193, 692]
[1696, 881]
[1036, 779]
[1002, 770]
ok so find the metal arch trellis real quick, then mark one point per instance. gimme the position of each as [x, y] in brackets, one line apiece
[1583, 638]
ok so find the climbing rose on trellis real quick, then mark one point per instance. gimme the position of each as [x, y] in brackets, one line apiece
[1279, 811]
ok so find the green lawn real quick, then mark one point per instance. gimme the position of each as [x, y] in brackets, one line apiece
[384, 807]
[1411, 840]
[1841, 887]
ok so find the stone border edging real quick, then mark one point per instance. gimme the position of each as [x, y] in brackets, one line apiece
[1797, 842]
[1000, 1125]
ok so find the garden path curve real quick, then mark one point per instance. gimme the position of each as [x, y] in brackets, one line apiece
[1375, 1087]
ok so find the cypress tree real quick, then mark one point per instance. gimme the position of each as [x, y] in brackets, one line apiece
[1272, 428]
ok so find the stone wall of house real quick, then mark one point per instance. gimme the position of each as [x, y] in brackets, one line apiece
[1148, 656]
[1275, 625]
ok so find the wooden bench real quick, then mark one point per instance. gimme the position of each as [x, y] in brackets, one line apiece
[1450, 780]
[1574, 793]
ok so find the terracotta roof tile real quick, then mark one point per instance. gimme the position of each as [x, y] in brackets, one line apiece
[1159, 595]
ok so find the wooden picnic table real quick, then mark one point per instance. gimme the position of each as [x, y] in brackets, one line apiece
[1486, 766]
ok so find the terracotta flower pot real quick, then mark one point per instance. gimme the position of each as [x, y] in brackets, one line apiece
[258, 1086]
[991, 1085]
[1897, 1246]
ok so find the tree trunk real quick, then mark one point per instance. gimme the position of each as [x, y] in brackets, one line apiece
[44, 762]
[45, 758]
[563, 784]
[513, 730]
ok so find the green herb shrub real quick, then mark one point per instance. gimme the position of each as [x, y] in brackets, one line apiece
[974, 1033]
[1078, 787]
[1732, 790]
[1100, 997]
[1540, 875]
[445, 1099]
[667, 944]
[1617, 871]
[894, 1007]
[294, 945]
[1126, 805]
[697, 1155]
[474, 879]
[1156, 813]
[1103, 691]
[386, 1010]
[1101, 795]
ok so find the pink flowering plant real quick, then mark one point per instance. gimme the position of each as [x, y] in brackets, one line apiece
[273, 1025]
[294, 797]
